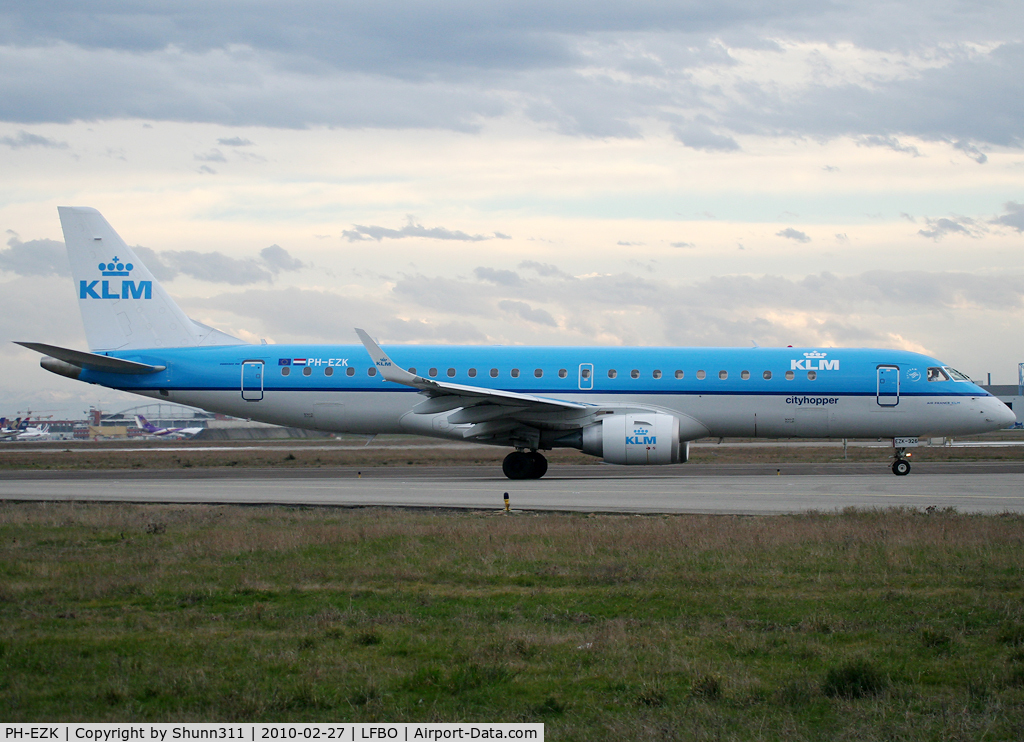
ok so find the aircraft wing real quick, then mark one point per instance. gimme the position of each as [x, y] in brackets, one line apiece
[471, 395]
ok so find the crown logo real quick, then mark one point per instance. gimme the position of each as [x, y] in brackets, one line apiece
[115, 268]
[815, 354]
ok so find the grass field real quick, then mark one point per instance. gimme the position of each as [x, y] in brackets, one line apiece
[855, 625]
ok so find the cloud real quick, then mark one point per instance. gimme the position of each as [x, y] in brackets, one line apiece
[939, 228]
[971, 151]
[214, 155]
[524, 311]
[235, 142]
[278, 259]
[216, 267]
[25, 139]
[709, 75]
[499, 276]
[412, 229]
[699, 135]
[545, 270]
[889, 142]
[35, 258]
[682, 244]
[1013, 218]
[152, 259]
[793, 234]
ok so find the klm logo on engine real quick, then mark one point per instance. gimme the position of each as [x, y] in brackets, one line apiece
[814, 361]
[640, 437]
[107, 289]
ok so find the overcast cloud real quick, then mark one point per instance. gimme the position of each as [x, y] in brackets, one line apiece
[944, 72]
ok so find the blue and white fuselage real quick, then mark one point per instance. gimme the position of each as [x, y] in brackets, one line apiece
[626, 405]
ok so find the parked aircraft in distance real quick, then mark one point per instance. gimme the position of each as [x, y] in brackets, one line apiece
[33, 433]
[625, 405]
[150, 429]
[7, 432]
[22, 431]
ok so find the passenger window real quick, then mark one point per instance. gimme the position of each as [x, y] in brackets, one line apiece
[371, 371]
[634, 374]
[723, 374]
[515, 373]
[790, 375]
[538, 373]
[451, 372]
[562, 373]
[701, 374]
[679, 374]
[285, 370]
[612, 373]
[767, 375]
[411, 371]
[744, 375]
[307, 371]
[937, 374]
[812, 375]
[329, 371]
[494, 373]
[472, 373]
[432, 372]
[585, 373]
[656, 374]
[350, 371]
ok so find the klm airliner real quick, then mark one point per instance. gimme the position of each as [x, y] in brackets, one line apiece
[636, 406]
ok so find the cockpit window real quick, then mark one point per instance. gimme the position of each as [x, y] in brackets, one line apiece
[937, 374]
[957, 376]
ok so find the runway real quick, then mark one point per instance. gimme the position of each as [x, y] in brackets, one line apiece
[742, 489]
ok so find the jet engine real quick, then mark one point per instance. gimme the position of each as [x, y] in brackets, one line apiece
[637, 438]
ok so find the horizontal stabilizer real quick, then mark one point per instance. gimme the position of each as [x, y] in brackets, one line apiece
[92, 361]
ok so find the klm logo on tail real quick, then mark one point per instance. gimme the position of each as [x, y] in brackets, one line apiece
[107, 289]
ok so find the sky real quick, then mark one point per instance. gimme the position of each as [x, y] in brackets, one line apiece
[604, 173]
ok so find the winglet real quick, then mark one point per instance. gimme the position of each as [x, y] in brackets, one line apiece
[388, 369]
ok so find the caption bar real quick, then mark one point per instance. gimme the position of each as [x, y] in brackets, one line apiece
[268, 732]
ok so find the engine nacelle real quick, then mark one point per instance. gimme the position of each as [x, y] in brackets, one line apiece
[637, 438]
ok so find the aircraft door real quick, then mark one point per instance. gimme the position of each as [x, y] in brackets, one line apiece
[888, 394]
[252, 381]
[586, 376]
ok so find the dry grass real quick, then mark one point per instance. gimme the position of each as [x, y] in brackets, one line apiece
[859, 625]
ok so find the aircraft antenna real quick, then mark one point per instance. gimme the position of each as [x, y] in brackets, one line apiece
[1020, 379]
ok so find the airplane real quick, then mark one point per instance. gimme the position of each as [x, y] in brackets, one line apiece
[33, 433]
[625, 405]
[7, 433]
[150, 429]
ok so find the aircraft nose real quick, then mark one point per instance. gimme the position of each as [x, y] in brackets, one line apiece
[1000, 414]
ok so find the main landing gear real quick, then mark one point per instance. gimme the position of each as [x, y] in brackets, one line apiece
[524, 465]
[901, 467]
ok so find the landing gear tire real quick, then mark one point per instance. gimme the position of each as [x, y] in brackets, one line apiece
[523, 465]
[540, 464]
[901, 467]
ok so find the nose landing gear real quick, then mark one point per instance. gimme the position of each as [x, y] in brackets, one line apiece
[524, 465]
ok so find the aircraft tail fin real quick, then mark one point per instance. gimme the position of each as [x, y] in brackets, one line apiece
[144, 424]
[123, 306]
